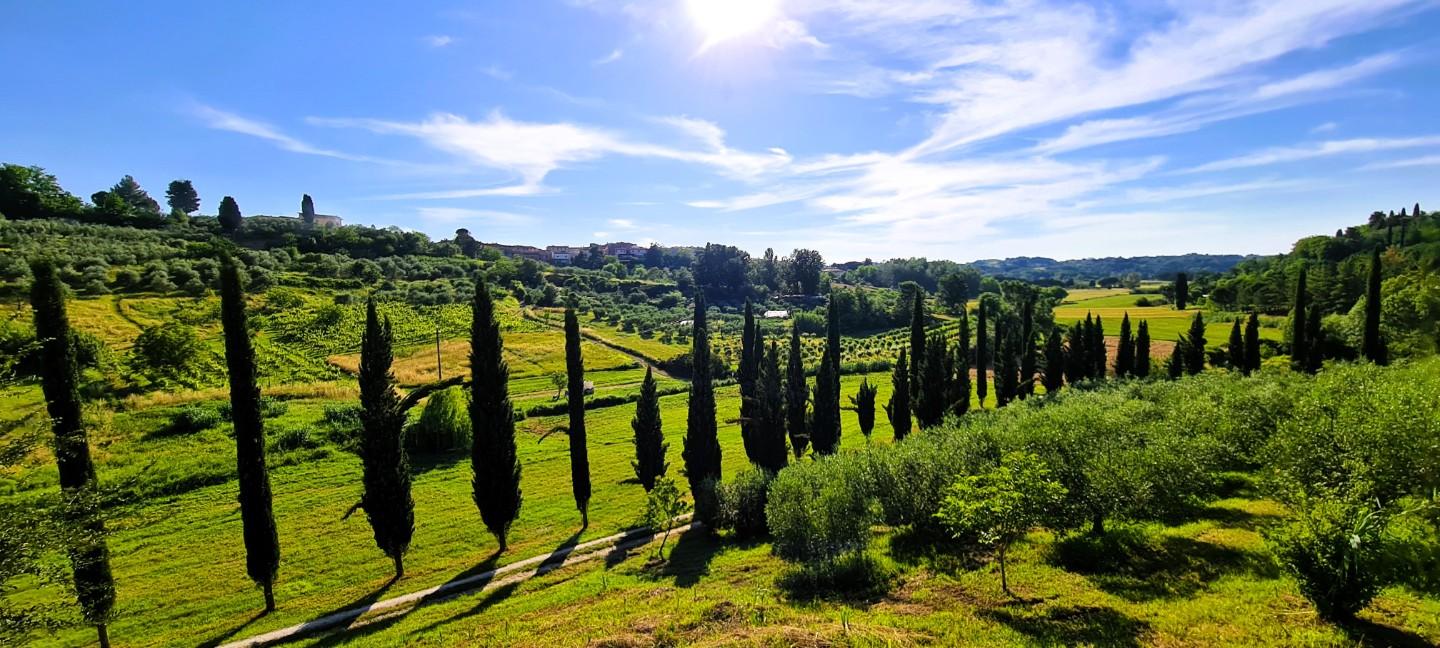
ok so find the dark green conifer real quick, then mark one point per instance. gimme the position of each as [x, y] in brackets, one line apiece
[774, 453]
[931, 405]
[1176, 366]
[1182, 291]
[701, 451]
[1314, 354]
[1142, 351]
[982, 355]
[650, 445]
[1299, 347]
[1252, 344]
[1075, 363]
[59, 382]
[1054, 374]
[960, 382]
[1195, 345]
[385, 467]
[747, 375]
[1027, 347]
[262, 542]
[229, 215]
[898, 409]
[494, 464]
[1372, 346]
[1097, 350]
[863, 402]
[917, 346]
[1125, 354]
[579, 453]
[1236, 350]
[824, 426]
[797, 395]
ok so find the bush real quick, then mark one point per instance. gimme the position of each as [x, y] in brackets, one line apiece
[854, 576]
[740, 503]
[444, 424]
[820, 511]
[294, 438]
[1336, 552]
[193, 418]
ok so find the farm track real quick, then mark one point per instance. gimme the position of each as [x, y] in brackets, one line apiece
[612, 547]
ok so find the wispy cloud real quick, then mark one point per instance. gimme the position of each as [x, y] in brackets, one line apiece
[448, 215]
[495, 71]
[227, 121]
[1422, 161]
[614, 55]
[1280, 155]
[622, 223]
[1327, 127]
[438, 40]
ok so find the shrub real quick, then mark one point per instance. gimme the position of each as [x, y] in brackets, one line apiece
[1336, 552]
[193, 418]
[819, 511]
[1000, 505]
[444, 424]
[740, 503]
[294, 438]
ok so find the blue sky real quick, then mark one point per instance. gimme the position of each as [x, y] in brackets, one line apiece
[862, 128]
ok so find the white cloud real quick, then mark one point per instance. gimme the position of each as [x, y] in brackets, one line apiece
[621, 223]
[228, 121]
[442, 215]
[438, 40]
[497, 72]
[1280, 155]
[1326, 127]
[1422, 161]
[612, 57]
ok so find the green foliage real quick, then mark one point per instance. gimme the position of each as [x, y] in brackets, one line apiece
[171, 354]
[182, 197]
[1336, 552]
[740, 502]
[650, 445]
[229, 215]
[385, 467]
[495, 486]
[701, 451]
[999, 506]
[193, 418]
[821, 510]
[797, 394]
[863, 402]
[443, 425]
[579, 453]
[663, 504]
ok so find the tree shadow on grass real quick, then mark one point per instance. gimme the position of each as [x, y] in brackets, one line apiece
[856, 579]
[690, 557]
[423, 462]
[1369, 633]
[1072, 625]
[228, 634]
[935, 551]
[1137, 566]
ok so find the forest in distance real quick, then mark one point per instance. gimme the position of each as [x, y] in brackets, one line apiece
[1187, 449]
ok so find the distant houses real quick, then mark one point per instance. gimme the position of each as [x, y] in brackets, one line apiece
[564, 255]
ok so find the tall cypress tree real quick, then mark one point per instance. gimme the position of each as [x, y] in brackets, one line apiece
[59, 380]
[1142, 351]
[1027, 347]
[960, 393]
[1097, 350]
[1372, 346]
[386, 470]
[229, 215]
[1125, 354]
[1054, 374]
[1075, 363]
[650, 443]
[797, 394]
[898, 409]
[579, 453]
[262, 542]
[917, 346]
[495, 466]
[771, 426]
[747, 375]
[1195, 347]
[1236, 349]
[1176, 366]
[832, 352]
[1314, 354]
[824, 423]
[863, 402]
[1182, 291]
[982, 355]
[1006, 371]
[701, 451]
[930, 406]
[1299, 348]
[1252, 344]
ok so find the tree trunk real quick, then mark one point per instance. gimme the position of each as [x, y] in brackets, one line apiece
[269, 597]
[1097, 524]
[399, 566]
[584, 519]
[104, 633]
[1004, 583]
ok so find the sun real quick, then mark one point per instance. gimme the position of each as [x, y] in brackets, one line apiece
[722, 20]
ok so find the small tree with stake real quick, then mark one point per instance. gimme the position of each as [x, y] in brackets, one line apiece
[1001, 505]
[662, 506]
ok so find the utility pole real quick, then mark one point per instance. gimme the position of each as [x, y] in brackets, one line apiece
[439, 368]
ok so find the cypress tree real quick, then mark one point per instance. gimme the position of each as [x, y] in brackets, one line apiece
[1087, 345]
[1252, 344]
[579, 454]
[650, 443]
[59, 381]
[863, 403]
[824, 425]
[1298, 346]
[1237, 349]
[1075, 363]
[1176, 366]
[930, 406]
[1097, 350]
[1006, 371]
[495, 484]
[1054, 374]
[1314, 355]
[898, 409]
[701, 451]
[262, 542]
[1142, 351]
[1195, 347]
[960, 392]
[1182, 291]
[774, 453]
[386, 470]
[1125, 354]
[229, 215]
[747, 375]
[917, 346]
[1027, 347]
[1372, 346]
[832, 353]
[982, 355]
[797, 394]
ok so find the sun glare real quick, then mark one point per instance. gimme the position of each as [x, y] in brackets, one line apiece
[722, 20]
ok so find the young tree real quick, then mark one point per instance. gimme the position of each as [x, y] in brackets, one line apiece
[1142, 351]
[774, 454]
[898, 409]
[917, 348]
[982, 355]
[1299, 347]
[386, 470]
[797, 395]
[182, 197]
[495, 485]
[1372, 346]
[579, 454]
[1252, 344]
[1052, 377]
[1236, 350]
[1195, 345]
[1125, 354]
[662, 506]
[262, 542]
[1027, 347]
[1182, 291]
[59, 381]
[1001, 505]
[863, 402]
[229, 215]
[650, 445]
[701, 451]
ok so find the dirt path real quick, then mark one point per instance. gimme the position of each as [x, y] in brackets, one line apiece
[517, 572]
